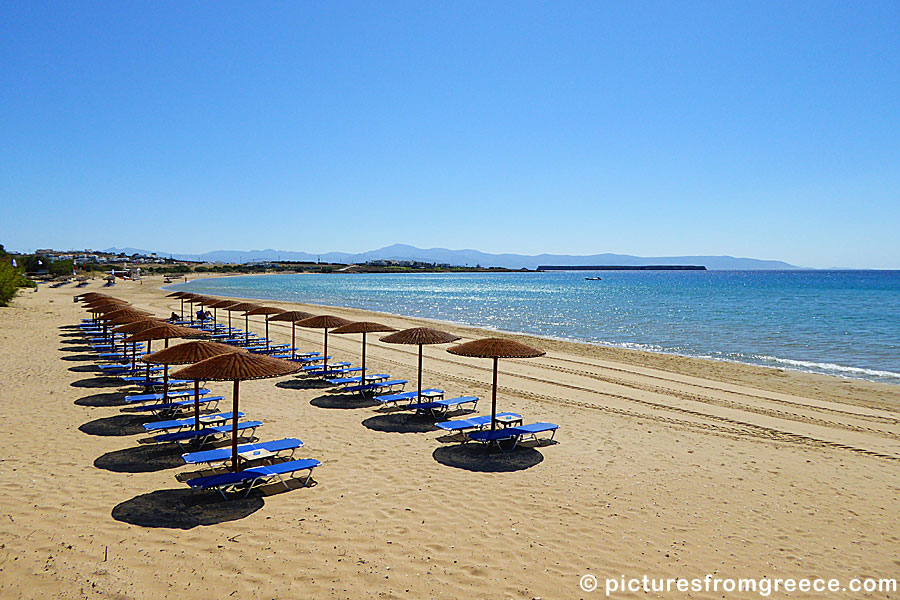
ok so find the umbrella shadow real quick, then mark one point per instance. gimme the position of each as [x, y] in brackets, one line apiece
[303, 384]
[117, 426]
[97, 382]
[71, 335]
[81, 348]
[400, 423]
[85, 369]
[104, 400]
[478, 458]
[79, 357]
[342, 402]
[140, 459]
[183, 509]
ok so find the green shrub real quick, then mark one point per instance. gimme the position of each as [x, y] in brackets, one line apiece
[11, 279]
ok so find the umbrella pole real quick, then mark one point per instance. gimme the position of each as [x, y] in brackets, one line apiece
[234, 425]
[215, 314]
[325, 354]
[246, 330]
[229, 321]
[494, 398]
[149, 344]
[165, 382]
[196, 405]
[362, 379]
[192, 311]
[182, 309]
[133, 355]
[267, 332]
[419, 396]
[293, 340]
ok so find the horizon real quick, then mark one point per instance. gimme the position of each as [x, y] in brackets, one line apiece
[765, 131]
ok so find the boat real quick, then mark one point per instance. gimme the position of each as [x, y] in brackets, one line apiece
[593, 279]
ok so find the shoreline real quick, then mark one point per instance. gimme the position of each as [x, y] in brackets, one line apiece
[662, 465]
[633, 356]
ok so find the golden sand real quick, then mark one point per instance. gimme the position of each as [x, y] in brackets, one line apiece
[665, 466]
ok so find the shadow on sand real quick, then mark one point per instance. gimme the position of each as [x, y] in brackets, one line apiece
[141, 459]
[79, 357]
[117, 426]
[183, 509]
[97, 382]
[85, 369]
[342, 401]
[476, 457]
[400, 423]
[303, 384]
[81, 348]
[103, 400]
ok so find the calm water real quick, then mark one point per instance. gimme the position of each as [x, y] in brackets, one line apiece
[835, 322]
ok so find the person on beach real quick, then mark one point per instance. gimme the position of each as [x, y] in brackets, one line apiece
[173, 317]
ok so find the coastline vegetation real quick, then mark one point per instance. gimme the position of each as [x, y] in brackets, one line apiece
[12, 279]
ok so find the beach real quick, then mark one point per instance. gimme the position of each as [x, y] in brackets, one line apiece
[663, 466]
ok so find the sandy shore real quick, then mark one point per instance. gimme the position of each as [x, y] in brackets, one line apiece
[665, 467]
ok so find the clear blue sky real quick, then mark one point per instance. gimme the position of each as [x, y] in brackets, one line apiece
[759, 129]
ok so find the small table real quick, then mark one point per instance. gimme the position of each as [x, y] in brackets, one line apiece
[257, 454]
[431, 396]
[508, 421]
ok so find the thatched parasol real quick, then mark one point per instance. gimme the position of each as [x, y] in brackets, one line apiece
[180, 296]
[495, 348]
[242, 307]
[420, 336]
[189, 353]
[325, 322]
[293, 316]
[135, 327]
[221, 304]
[237, 366]
[265, 310]
[166, 331]
[91, 295]
[363, 327]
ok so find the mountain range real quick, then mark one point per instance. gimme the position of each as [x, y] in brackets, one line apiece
[471, 258]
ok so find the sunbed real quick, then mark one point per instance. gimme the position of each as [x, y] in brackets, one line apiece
[514, 434]
[169, 408]
[458, 425]
[438, 408]
[206, 434]
[388, 386]
[396, 398]
[348, 380]
[253, 477]
[179, 424]
[275, 448]
[175, 394]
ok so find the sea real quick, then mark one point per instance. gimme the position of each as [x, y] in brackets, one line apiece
[844, 323]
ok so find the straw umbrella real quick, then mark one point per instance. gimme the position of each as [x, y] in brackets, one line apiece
[189, 353]
[242, 307]
[221, 304]
[236, 367]
[135, 327]
[265, 310]
[180, 296]
[363, 327]
[325, 322]
[420, 336]
[293, 316]
[495, 348]
[119, 314]
[165, 332]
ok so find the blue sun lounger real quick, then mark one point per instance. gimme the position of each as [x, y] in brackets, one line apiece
[439, 408]
[155, 383]
[396, 398]
[275, 448]
[170, 408]
[206, 434]
[387, 386]
[516, 434]
[175, 394]
[319, 370]
[178, 424]
[458, 425]
[348, 380]
[253, 477]
[312, 359]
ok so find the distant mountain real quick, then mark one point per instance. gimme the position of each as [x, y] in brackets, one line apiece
[474, 257]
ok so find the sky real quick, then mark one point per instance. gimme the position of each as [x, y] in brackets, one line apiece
[756, 129]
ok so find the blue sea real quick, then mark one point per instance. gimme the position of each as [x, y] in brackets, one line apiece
[843, 323]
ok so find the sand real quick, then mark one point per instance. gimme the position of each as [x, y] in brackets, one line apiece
[664, 466]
